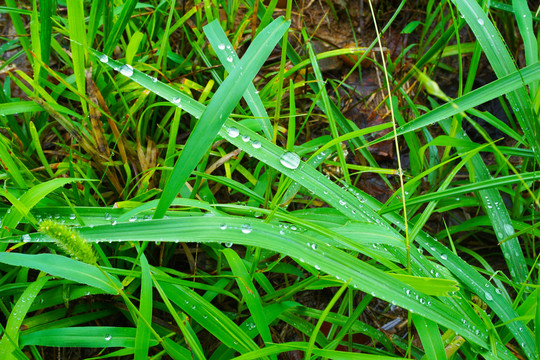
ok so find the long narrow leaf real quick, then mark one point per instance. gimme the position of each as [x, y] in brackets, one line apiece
[66, 268]
[219, 108]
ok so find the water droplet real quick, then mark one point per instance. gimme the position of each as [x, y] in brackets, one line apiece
[444, 256]
[245, 138]
[246, 228]
[223, 226]
[314, 246]
[233, 132]
[290, 160]
[221, 47]
[342, 203]
[114, 223]
[108, 216]
[229, 59]
[126, 70]
[488, 296]
[228, 244]
[317, 267]
[108, 337]
[133, 218]
[26, 238]
[72, 217]
[256, 144]
[176, 100]
[481, 22]
[103, 58]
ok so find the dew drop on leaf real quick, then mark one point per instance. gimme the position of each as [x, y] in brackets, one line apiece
[126, 70]
[290, 160]
[246, 228]
[233, 132]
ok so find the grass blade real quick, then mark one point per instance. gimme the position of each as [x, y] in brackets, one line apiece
[250, 294]
[18, 313]
[142, 336]
[66, 268]
[219, 108]
[479, 96]
[84, 336]
[226, 54]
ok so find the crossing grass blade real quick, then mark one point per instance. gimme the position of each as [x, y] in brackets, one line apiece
[66, 268]
[27, 201]
[468, 188]
[495, 89]
[430, 336]
[142, 336]
[503, 64]
[250, 295]
[119, 26]
[229, 59]
[18, 313]
[219, 108]
[77, 33]
[209, 317]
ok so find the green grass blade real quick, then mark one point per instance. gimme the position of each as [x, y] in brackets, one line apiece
[46, 10]
[468, 188]
[119, 26]
[503, 64]
[66, 268]
[219, 108]
[430, 336]
[209, 317]
[142, 336]
[526, 29]
[195, 348]
[226, 54]
[84, 336]
[77, 34]
[18, 313]
[250, 294]
[10, 166]
[474, 98]
[29, 200]
[18, 24]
